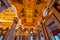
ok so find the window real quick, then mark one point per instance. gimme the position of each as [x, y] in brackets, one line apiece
[57, 38]
[59, 34]
[44, 13]
[1, 37]
[31, 37]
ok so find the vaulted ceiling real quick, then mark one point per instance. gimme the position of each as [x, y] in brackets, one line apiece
[33, 7]
[29, 11]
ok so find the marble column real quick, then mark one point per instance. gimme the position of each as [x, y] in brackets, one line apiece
[19, 37]
[11, 34]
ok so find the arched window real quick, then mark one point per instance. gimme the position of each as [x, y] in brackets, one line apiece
[1, 37]
[31, 37]
[44, 13]
[56, 37]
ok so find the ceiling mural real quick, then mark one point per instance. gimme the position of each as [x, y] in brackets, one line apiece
[29, 11]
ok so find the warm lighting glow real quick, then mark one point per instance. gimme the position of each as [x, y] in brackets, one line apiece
[26, 32]
[5, 20]
[38, 23]
[20, 21]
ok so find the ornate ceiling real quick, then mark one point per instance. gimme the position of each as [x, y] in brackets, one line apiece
[29, 11]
